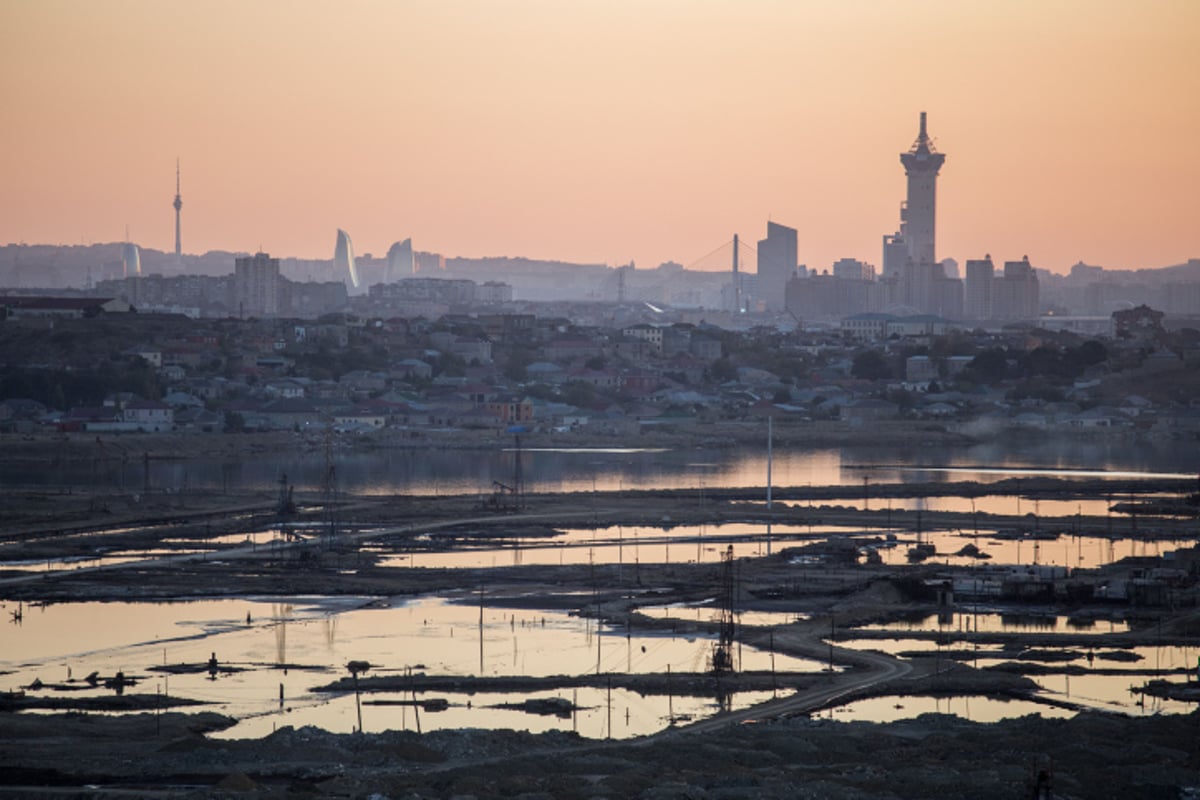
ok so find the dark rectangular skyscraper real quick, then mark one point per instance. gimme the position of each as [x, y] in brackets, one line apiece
[777, 259]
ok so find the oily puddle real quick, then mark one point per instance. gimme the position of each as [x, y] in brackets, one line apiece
[707, 611]
[607, 545]
[598, 713]
[316, 637]
[1066, 550]
[973, 707]
[1104, 681]
[986, 620]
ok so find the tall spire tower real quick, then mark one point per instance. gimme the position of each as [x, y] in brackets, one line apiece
[921, 165]
[179, 204]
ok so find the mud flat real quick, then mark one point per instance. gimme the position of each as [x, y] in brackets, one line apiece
[778, 749]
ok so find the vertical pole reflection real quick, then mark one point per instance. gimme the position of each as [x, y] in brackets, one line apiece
[481, 630]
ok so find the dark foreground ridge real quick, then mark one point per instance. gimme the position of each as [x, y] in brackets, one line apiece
[1089, 756]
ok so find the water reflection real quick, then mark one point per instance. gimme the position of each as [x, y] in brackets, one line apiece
[440, 470]
[977, 709]
[1105, 676]
[268, 650]
[1000, 622]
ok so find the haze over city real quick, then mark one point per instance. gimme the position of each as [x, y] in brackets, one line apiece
[603, 132]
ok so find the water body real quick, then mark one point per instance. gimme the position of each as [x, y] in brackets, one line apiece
[318, 636]
[449, 471]
[1090, 690]
[433, 635]
[977, 709]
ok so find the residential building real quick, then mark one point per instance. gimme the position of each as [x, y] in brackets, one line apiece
[256, 285]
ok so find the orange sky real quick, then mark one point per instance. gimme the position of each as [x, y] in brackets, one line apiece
[603, 130]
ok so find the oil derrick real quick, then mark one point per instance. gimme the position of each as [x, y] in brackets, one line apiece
[507, 497]
[285, 506]
[722, 657]
[517, 490]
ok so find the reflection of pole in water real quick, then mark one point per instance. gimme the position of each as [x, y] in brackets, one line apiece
[774, 686]
[599, 639]
[628, 644]
[609, 708]
[480, 630]
[770, 460]
[620, 552]
[670, 699]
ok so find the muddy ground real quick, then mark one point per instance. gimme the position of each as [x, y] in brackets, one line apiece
[785, 750]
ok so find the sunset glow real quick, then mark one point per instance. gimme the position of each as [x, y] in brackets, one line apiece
[603, 131]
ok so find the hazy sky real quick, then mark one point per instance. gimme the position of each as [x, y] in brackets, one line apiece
[603, 131]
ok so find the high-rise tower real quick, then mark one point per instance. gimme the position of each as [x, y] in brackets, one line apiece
[343, 258]
[777, 261]
[178, 205]
[921, 165]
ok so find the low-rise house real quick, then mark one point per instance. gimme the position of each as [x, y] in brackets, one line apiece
[1099, 417]
[640, 382]
[178, 400]
[937, 410]
[286, 388]
[151, 355]
[920, 369]
[571, 349]
[92, 418]
[510, 409]
[361, 382]
[199, 419]
[360, 417]
[599, 378]
[868, 410]
[21, 306]
[413, 369]
[149, 415]
[287, 413]
[544, 372]
[20, 414]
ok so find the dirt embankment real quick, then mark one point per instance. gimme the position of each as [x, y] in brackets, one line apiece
[1089, 757]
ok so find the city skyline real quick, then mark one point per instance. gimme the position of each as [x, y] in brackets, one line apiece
[604, 133]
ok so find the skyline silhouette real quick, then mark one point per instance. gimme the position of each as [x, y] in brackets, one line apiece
[604, 133]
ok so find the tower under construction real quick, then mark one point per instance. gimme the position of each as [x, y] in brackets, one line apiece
[921, 165]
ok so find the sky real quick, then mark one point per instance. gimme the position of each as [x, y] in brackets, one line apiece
[603, 131]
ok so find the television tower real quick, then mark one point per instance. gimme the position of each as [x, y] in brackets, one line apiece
[921, 165]
[178, 205]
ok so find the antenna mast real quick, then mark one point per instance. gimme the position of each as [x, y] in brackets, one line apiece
[178, 204]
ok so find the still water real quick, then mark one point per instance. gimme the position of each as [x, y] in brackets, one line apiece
[1092, 689]
[976, 709]
[292, 645]
[449, 471]
[317, 636]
